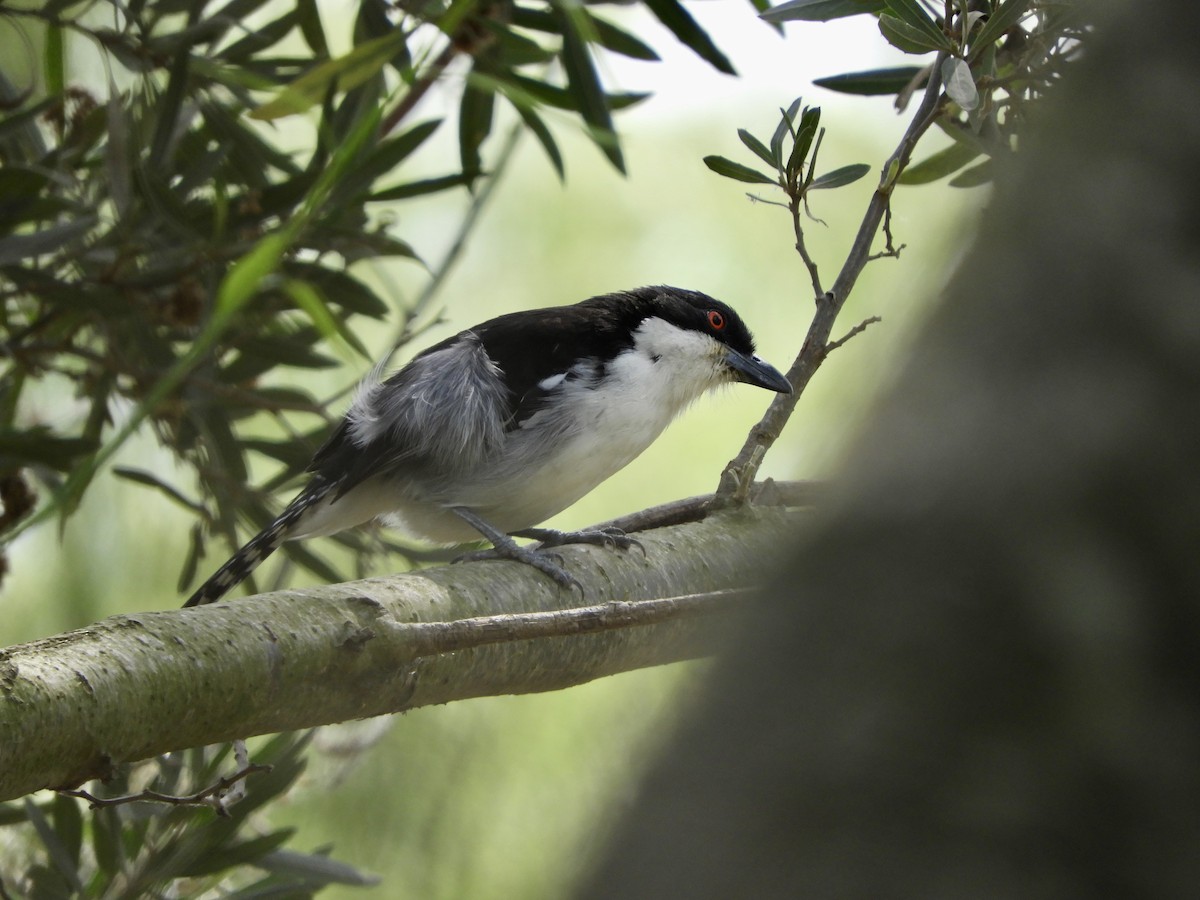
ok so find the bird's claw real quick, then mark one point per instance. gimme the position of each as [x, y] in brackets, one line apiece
[609, 536]
[550, 564]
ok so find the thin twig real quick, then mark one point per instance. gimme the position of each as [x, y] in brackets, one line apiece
[209, 796]
[434, 638]
[743, 467]
[794, 208]
[890, 250]
[693, 509]
[857, 329]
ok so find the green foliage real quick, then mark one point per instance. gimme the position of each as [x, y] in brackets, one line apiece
[792, 155]
[999, 56]
[166, 254]
[152, 849]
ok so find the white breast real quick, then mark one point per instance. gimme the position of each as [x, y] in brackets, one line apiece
[594, 428]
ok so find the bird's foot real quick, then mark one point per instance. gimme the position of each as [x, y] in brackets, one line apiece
[547, 563]
[613, 538]
[504, 547]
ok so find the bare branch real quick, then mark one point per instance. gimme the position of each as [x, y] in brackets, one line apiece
[890, 250]
[431, 638]
[211, 796]
[74, 706]
[857, 329]
[763, 493]
[741, 468]
[795, 207]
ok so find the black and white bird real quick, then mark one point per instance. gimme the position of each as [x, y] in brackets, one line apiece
[510, 422]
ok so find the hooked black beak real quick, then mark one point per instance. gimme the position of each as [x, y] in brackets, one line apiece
[753, 370]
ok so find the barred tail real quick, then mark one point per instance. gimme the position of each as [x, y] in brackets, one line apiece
[262, 545]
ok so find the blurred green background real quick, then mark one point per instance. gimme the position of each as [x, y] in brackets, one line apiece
[510, 797]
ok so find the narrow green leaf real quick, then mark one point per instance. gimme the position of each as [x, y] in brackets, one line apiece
[16, 247]
[106, 836]
[68, 825]
[974, 176]
[149, 480]
[250, 155]
[25, 124]
[840, 177]
[600, 31]
[118, 155]
[300, 554]
[874, 82]
[786, 126]
[521, 89]
[332, 327]
[244, 276]
[292, 454]
[542, 132]
[610, 37]
[820, 10]
[386, 157]
[939, 165]
[279, 350]
[314, 866]
[60, 856]
[457, 12]
[54, 64]
[1006, 17]
[762, 6]
[959, 83]
[21, 198]
[344, 73]
[51, 8]
[167, 107]
[258, 40]
[342, 288]
[759, 149]
[584, 85]
[914, 15]
[681, 24]
[418, 188]
[12, 813]
[187, 574]
[235, 11]
[904, 37]
[309, 19]
[244, 852]
[476, 113]
[510, 49]
[737, 171]
[806, 131]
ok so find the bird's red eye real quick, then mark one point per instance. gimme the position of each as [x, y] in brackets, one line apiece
[716, 320]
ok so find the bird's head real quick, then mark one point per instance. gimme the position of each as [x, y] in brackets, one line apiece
[697, 340]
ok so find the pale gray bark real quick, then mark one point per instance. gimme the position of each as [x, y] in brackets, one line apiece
[75, 705]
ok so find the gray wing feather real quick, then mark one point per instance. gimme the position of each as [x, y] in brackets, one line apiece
[446, 410]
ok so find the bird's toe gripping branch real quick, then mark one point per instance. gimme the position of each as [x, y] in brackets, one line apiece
[551, 564]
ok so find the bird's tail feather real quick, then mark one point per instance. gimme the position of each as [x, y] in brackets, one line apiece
[258, 548]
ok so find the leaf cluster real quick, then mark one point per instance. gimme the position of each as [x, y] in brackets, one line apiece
[998, 57]
[792, 155]
[148, 849]
[169, 258]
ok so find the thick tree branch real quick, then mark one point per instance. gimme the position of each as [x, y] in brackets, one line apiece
[75, 705]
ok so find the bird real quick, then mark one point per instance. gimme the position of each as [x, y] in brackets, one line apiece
[498, 428]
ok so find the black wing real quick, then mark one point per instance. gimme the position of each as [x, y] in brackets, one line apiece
[452, 404]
